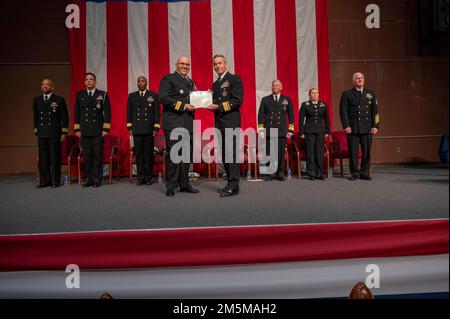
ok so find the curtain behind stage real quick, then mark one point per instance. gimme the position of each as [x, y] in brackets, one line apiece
[261, 39]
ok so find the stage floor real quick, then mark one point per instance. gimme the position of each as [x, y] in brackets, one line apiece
[396, 193]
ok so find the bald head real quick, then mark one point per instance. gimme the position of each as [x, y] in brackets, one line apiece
[47, 86]
[142, 83]
[183, 65]
[358, 80]
[182, 59]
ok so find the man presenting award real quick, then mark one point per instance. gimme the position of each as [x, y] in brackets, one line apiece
[227, 100]
[178, 112]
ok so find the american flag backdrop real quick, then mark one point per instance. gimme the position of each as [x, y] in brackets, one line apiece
[261, 39]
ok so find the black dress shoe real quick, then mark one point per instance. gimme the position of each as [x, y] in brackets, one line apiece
[189, 190]
[88, 184]
[170, 193]
[148, 182]
[320, 178]
[311, 178]
[229, 192]
[220, 190]
[42, 185]
[140, 183]
[55, 185]
[269, 178]
[97, 185]
[353, 178]
[365, 178]
[281, 178]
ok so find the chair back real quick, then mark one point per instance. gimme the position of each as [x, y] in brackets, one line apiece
[109, 142]
[160, 142]
[70, 142]
[340, 139]
[340, 143]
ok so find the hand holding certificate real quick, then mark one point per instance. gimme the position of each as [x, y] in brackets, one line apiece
[201, 99]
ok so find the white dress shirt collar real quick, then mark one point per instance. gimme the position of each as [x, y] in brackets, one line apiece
[223, 75]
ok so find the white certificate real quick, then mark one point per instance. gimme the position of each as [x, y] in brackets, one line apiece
[201, 99]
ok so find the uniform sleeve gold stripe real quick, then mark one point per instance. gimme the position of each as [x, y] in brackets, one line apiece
[106, 125]
[65, 129]
[291, 127]
[76, 126]
[261, 126]
[178, 106]
[129, 125]
[377, 118]
[226, 106]
[157, 125]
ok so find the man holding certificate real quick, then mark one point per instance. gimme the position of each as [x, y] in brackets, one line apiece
[227, 100]
[174, 92]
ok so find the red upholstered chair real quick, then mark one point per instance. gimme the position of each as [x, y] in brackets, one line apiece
[297, 149]
[159, 159]
[250, 158]
[110, 157]
[132, 162]
[327, 154]
[339, 149]
[69, 152]
[210, 165]
[159, 150]
[251, 152]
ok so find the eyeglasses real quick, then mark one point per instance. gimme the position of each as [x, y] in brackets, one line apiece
[185, 64]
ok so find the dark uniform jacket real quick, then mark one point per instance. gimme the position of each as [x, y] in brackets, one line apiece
[92, 114]
[50, 117]
[143, 112]
[314, 118]
[174, 91]
[359, 111]
[228, 94]
[273, 114]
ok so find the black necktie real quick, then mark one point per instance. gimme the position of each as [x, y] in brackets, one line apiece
[45, 98]
[142, 94]
[90, 94]
[276, 98]
[219, 79]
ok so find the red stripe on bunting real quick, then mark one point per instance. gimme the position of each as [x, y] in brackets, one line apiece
[286, 38]
[323, 56]
[244, 58]
[158, 43]
[222, 246]
[117, 74]
[201, 54]
[78, 57]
